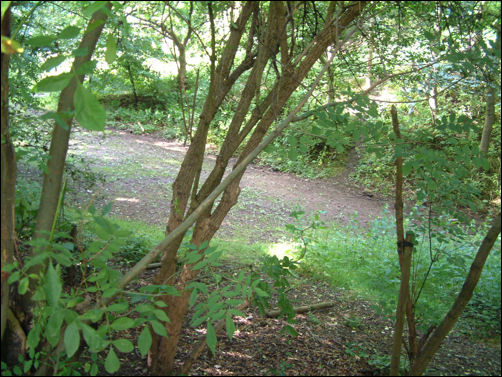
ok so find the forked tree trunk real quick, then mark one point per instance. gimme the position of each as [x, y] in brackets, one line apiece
[185, 187]
[405, 248]
[430, 347]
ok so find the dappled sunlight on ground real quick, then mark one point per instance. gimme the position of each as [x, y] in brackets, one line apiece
[281, 249]
[132, 200]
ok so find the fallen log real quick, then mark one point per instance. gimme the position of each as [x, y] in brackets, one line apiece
[300, 309]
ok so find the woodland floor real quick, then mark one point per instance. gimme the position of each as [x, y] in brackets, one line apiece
[350, 338]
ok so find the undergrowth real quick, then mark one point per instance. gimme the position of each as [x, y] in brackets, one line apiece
[365, 261]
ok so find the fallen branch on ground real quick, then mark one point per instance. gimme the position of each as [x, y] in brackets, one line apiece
[300, 309]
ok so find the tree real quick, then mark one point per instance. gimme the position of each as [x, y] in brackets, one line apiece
[186, 192]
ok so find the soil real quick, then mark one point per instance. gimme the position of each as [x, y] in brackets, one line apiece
[139, 170]
[350, 338]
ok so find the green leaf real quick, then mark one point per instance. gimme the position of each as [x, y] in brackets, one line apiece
[14, 277]
[111, 49]
[71, 339]
[53, 330]
[52, 62]
[52, 286]
[118, 308]
[123, 345]
[94, 369]
[230, 326]
[481, 162]
[87, 67]
[93, 315]
[260, 292]
[94, 7]
[144, 341]
[161, 315]
[211, 339]
[122, 323]
[407, 166]
[23, 285]
[289, 330]
[197, 320]
[54, 83]
[193, 298]
[112, 363]
[41, 41]
[160, 304]
[95, 342]
[199, 265]
[5, 6]
[69, 32]
[33, 337]
[158, 328]
[236, 312]
[88, 111]
[110, 292]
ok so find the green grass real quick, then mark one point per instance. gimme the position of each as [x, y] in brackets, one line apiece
[366, 262]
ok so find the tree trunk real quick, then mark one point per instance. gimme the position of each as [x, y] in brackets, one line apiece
[433, 343]
[163, 350]
[60, 137]
[8, 165]
[489, 120]
[131, 79]
[52, 182]
[405, 247]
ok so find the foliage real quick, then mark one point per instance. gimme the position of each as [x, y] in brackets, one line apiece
[364, 260]
[453, 51]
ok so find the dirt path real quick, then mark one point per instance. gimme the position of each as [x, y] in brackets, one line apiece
[138, 172]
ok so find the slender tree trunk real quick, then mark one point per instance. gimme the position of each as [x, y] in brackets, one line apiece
[8, 166]
[60, 136]
[489, 120]
[433, 343]
[405, 248]
[133, 84]
[52, 182]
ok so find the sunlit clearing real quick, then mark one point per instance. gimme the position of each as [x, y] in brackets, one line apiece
[131, 200]
[280, 250]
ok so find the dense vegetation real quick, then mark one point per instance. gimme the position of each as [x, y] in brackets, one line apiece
[308, 86]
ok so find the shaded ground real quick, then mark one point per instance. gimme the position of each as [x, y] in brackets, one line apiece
[348, 339]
